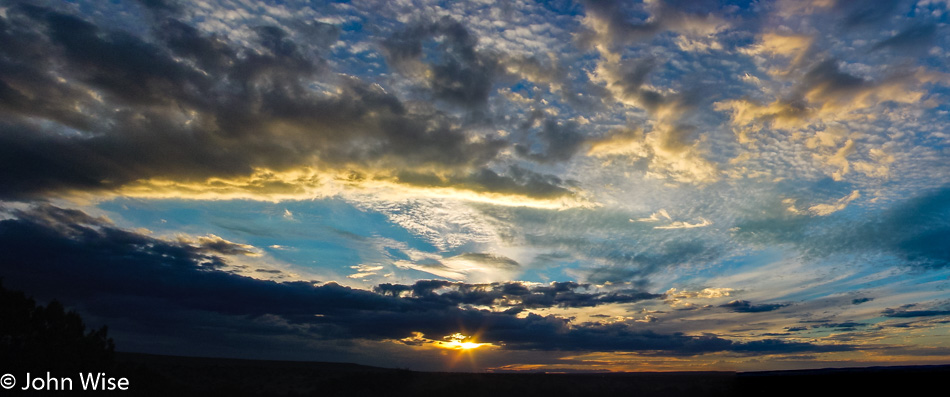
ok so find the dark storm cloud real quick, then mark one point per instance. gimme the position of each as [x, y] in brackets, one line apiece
[858, 301]
[218, 245]
[53, 252]
[513, 295]
[620, 337]
[515, 180]
[906, 312]
[459, 74]
[560, 142]
[742, 306]
[92, 109]
[796, 329]
[142, 285]
[845, 326]
[827, 80]
[633, 74]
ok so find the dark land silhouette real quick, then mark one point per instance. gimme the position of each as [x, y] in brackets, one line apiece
[37, 339]
[233, 377]
[48, 338]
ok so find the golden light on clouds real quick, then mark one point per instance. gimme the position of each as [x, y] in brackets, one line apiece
[307, 183]
[458, 341]
[652, 185]
[670, 155]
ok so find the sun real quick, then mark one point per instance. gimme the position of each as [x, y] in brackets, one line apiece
[458, 341]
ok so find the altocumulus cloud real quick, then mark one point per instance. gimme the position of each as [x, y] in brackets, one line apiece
[91, 109]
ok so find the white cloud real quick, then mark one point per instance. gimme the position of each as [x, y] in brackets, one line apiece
[685, 225]
[827, 209]
[363, 271]
[662, 214]
[655, 217]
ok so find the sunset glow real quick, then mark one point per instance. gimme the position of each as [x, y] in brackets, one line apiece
[565, 185]
[459, 342]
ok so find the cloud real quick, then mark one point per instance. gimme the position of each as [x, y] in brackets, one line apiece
[913, 38]
[828, 209]
[561, 141]
[513, 297]
[910, 231]
[828, 103]
[190, 114]
[619, 337]
[825, 92]
[655, 217]
[469, 266]
[518, 180]
[514, 187]
[860, 15]
[455, 129]
[805, 92]
[462, 75]
[142, 285]
[685, 225]
[796, 329]
[906, 311]
[481, 261]
[363, 271]
[667, 150]
[620, 264]
[845, 326]
[670, 145]
[218, 245]
[915, 313]
[676, 297]
[793, 47]
[547, 70]
[612, 28]
[741, 306]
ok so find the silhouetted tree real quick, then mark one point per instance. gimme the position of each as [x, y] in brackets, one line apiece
[38, 338]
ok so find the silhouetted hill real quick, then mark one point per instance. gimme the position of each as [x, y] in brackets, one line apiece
[164, 375]
[873, 381]
[209, 376]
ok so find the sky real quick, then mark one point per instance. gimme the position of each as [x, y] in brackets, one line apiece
[485, 185]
